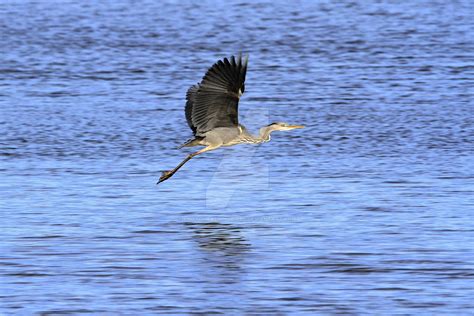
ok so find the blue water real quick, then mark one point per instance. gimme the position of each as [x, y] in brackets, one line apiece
[368, 210]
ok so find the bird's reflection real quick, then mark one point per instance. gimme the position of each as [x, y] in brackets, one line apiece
[223, 245]
[222, 255]
[220, 238]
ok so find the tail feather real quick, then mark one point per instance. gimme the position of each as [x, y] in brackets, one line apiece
[192, 142]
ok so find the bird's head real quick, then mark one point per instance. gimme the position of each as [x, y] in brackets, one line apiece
[281, 126]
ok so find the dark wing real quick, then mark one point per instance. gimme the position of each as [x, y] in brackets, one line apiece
[215, 101]
[188, 110]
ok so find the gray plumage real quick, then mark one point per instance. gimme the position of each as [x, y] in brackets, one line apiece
[211, 110]
[214, 102]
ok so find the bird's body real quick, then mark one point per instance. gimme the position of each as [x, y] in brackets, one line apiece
[227, 136]
[212, 111]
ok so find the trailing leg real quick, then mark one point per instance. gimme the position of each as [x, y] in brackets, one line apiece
[165, 175]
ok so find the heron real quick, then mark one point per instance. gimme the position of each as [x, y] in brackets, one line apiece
[211, 111]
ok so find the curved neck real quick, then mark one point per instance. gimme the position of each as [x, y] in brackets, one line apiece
[264, 133]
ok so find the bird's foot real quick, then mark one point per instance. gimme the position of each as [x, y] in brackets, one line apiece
[165, 175]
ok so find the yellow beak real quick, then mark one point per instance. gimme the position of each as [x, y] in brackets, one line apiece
[295, 126]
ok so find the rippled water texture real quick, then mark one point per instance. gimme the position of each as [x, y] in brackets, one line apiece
[369, 210]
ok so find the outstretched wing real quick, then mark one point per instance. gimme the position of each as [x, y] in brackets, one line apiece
[188, 110]
[214, 102]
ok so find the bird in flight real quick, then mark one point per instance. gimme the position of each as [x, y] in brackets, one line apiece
[212, 111]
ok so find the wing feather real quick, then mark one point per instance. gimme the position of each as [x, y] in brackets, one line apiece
[188, 110]
[214, 102]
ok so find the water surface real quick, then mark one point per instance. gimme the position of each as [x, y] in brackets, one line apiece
[369, 210]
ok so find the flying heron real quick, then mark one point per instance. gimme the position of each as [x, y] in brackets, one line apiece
[212, 111]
